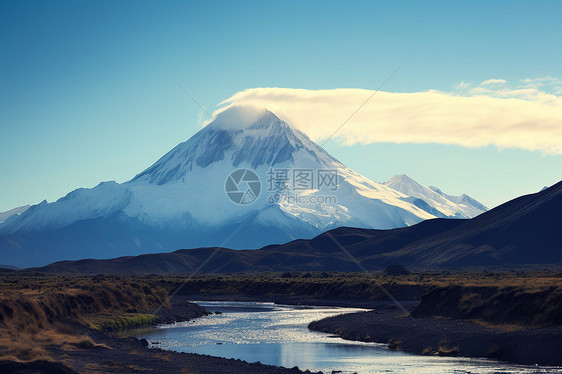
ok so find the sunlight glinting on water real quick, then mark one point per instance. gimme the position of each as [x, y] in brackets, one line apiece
[278, 335]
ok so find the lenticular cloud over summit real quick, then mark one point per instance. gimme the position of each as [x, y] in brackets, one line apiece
[525, 118]
[237, 116]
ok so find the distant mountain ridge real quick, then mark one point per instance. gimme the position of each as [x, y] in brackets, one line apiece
[180, 201]
[16, 211]
[522, 233]
[440, 204]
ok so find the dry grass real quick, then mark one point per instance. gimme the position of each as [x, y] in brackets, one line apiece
[35, 311]
[508, 304]
[354, 285]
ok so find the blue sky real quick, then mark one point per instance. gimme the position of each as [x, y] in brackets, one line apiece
[82, 101]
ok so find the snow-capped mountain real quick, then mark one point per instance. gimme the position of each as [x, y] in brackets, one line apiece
[181, 201]
[434, 201]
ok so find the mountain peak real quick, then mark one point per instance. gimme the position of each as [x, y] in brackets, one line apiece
[180, 201]
[238, 117]
[240, 136]
[401, 178]
[404, 184]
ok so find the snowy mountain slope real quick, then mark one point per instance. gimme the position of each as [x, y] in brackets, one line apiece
[180, 201]
[471, 207]
[16, 211]
[437, 202]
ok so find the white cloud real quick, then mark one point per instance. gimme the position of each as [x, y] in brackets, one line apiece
[543, 82]
[507, 118]
[490, 82]
[462, 85]
[547, 78]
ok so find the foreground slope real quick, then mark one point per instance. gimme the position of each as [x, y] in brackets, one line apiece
[522, 232]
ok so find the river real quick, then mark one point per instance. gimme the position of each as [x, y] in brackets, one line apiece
[278, 335]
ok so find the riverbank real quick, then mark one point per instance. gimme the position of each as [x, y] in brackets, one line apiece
[62, 325]
[50, 318]
[446, 337]
[509, 319]
[115, 354]
[98, 352]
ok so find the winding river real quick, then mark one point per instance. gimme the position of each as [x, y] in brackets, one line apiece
[278, 335]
